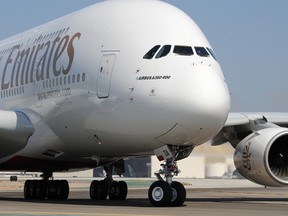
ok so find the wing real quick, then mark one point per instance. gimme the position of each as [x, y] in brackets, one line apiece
[235, 119]
[261, 146]
[239, 125]
[15, 130]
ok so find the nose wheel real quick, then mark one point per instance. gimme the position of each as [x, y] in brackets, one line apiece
[160, 193]
[178, 194]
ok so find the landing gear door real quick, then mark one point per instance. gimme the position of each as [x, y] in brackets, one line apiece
[105, 75]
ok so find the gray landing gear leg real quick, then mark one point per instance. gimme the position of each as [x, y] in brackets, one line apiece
[115, 190]
[166, 192]
[42, 189]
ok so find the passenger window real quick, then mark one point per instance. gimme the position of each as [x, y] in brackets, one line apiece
[212, 53]
[150, 54]
[183, 50]
[201, 51]
[163, 51]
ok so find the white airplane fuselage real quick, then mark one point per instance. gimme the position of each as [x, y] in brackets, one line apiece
[93, 97]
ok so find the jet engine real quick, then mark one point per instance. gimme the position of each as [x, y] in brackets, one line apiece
[262, 157]
[15, 130]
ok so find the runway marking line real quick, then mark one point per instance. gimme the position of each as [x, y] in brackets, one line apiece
[8, 213]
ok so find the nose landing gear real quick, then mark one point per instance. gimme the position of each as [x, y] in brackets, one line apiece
[166, 192]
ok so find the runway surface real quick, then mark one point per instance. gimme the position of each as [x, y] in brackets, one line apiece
[221, 197]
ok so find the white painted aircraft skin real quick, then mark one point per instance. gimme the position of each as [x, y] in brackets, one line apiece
[120, 79]
[78, 113]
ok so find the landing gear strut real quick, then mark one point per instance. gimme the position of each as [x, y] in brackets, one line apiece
[42, 189]
[99, 190]
[166, 192]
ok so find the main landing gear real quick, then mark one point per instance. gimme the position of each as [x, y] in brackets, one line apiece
[115, 190]
[166, 192]
[42, 189]
[59, 189]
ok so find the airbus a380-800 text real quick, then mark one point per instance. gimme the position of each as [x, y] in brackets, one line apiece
[124, 79]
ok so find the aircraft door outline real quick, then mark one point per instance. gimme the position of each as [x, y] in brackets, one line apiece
[36, 92]
[105, 74]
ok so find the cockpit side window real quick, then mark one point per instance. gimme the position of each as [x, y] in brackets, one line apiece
[163, 51]
[150, 54]
[211, 53]
[201, 51]
[183, 50]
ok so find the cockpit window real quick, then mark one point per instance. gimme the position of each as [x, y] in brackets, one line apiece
[211, 53]
[183, 50]
[150, 54]
[201, 51]
[163, 51]
[159, 51]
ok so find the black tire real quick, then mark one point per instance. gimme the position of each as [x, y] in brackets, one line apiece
[51, 190]
[43, 192]
[178, 194]
[113, 191]
[93, 190]
[27, 186]
[40, 189]
[103, 190]
[58, 189]
[64, 185]
[160, 194]
[123, 190]
[98, 190]
[35, 189]
[118, 190]
[32, 189]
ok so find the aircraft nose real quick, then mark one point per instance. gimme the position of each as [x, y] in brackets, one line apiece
[206, 103]
[208, 92]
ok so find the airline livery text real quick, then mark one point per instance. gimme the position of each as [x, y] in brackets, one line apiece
[38, 62]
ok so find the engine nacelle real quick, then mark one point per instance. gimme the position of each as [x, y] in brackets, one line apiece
[262, 157]
[15, 130]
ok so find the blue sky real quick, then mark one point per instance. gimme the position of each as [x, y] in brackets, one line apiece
[250, 39]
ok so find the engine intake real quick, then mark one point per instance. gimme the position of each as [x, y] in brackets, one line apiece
[262, 157]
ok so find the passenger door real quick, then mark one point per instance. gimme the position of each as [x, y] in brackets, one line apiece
[105, 75]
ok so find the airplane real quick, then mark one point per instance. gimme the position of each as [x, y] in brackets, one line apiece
[122, 79]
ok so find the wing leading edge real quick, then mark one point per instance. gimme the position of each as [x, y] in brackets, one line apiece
[240, 125]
